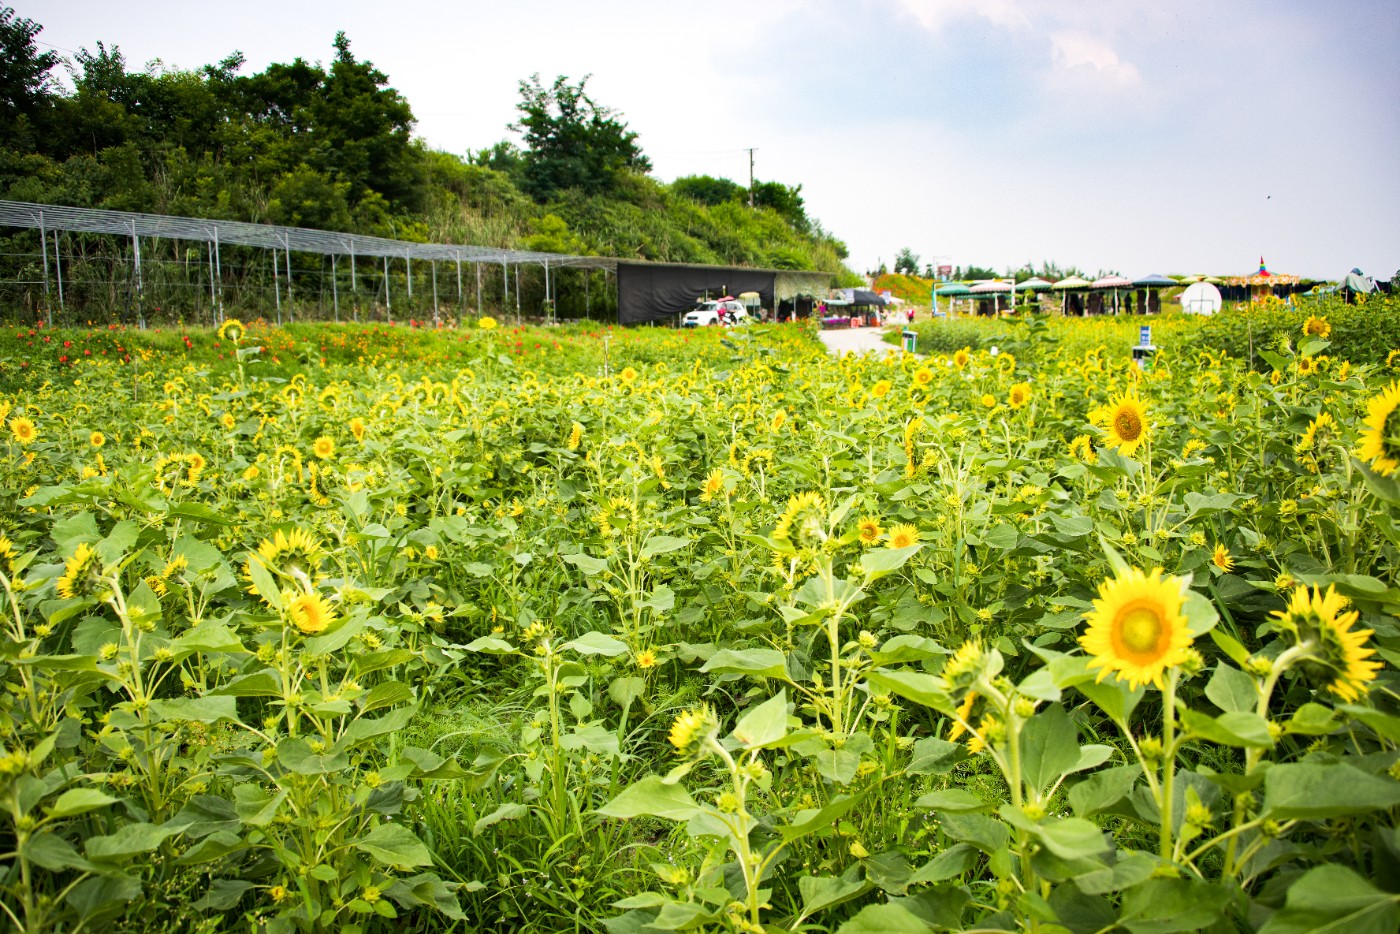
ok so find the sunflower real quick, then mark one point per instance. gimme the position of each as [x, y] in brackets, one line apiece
[628, 375]
[870, 530]
[1318, 427]
[97, 439]
[881, 389]
[1006, 363]
[575, 436]
[617, 517]
[1082, 448]
[1380, 446]
[1335, 653]
[692, 729]
[1136, 628]
[1020, 395]
[8, 553]
[1127, 424]
[227, 420]
[323, 447]
[804, 517]
[23, 429]
[1306, 366]
[923, 376]
[964, 714]
[486, 323]
[82, 574]
[962, 357]
[289, 554]
[357, 428]
[231, 330]
[1316, 327]
[989, 400]
[645, 659]
[713, 485]
[902, 536]
[1221, 558]
[779, 419]
[310, 613]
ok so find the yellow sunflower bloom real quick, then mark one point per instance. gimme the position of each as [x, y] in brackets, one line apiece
[23, 429]
[870, 530]
[97, 439]
[82, 574]
[1335, 653]
[323, 447]
[1317, 327]
[803, 520]
[486, 323]
[1222, 559]
[1127, 424]
[1136, 628]
[231, 330]
[881, 389]
[310, 613]
[962, 357]
[1020, 395]
[1380, 445]
[713, 485]
[902, 536]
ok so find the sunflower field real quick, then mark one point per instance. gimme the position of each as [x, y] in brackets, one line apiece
[415, 629]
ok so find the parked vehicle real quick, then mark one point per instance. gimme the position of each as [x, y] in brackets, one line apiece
[709, 313]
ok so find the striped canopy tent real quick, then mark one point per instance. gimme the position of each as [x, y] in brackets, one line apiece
[1067, 285]
[995, 288]
[1150, 284]
[1262, 283]
[952, 291]
[1116, 283]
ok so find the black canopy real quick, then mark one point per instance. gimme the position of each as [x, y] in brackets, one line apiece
[660, 291]
[866, 297]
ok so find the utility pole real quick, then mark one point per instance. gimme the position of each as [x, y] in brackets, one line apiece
[750, 152]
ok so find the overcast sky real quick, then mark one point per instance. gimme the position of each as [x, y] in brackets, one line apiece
[1175, 136]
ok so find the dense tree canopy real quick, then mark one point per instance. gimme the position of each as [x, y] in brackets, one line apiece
[571, 141]
[330, 145]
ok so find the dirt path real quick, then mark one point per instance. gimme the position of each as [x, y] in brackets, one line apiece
[856, 340]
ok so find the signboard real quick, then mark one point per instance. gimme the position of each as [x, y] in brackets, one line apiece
[945, 272]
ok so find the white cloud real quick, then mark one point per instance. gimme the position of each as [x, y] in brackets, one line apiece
[932, 14]
[1078, 60]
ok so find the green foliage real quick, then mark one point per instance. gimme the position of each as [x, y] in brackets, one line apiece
[1365, 332]
[708, 191]
[399, 628]
[571, 142]
[906, 263]
[26, 86]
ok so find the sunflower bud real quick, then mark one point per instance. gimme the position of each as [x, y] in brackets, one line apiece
[692, 730]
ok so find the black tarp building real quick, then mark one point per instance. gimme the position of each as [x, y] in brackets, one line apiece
[663, 291]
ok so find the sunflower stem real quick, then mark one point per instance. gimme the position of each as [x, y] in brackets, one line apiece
[1168, 763]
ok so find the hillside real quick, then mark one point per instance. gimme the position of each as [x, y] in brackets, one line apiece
[331, 146]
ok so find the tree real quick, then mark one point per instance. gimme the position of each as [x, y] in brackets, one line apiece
[907, 262]
[708, 190]
[787, 201]
[571, 141]
[25, 84]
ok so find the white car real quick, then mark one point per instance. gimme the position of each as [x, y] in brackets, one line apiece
[708, 313]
